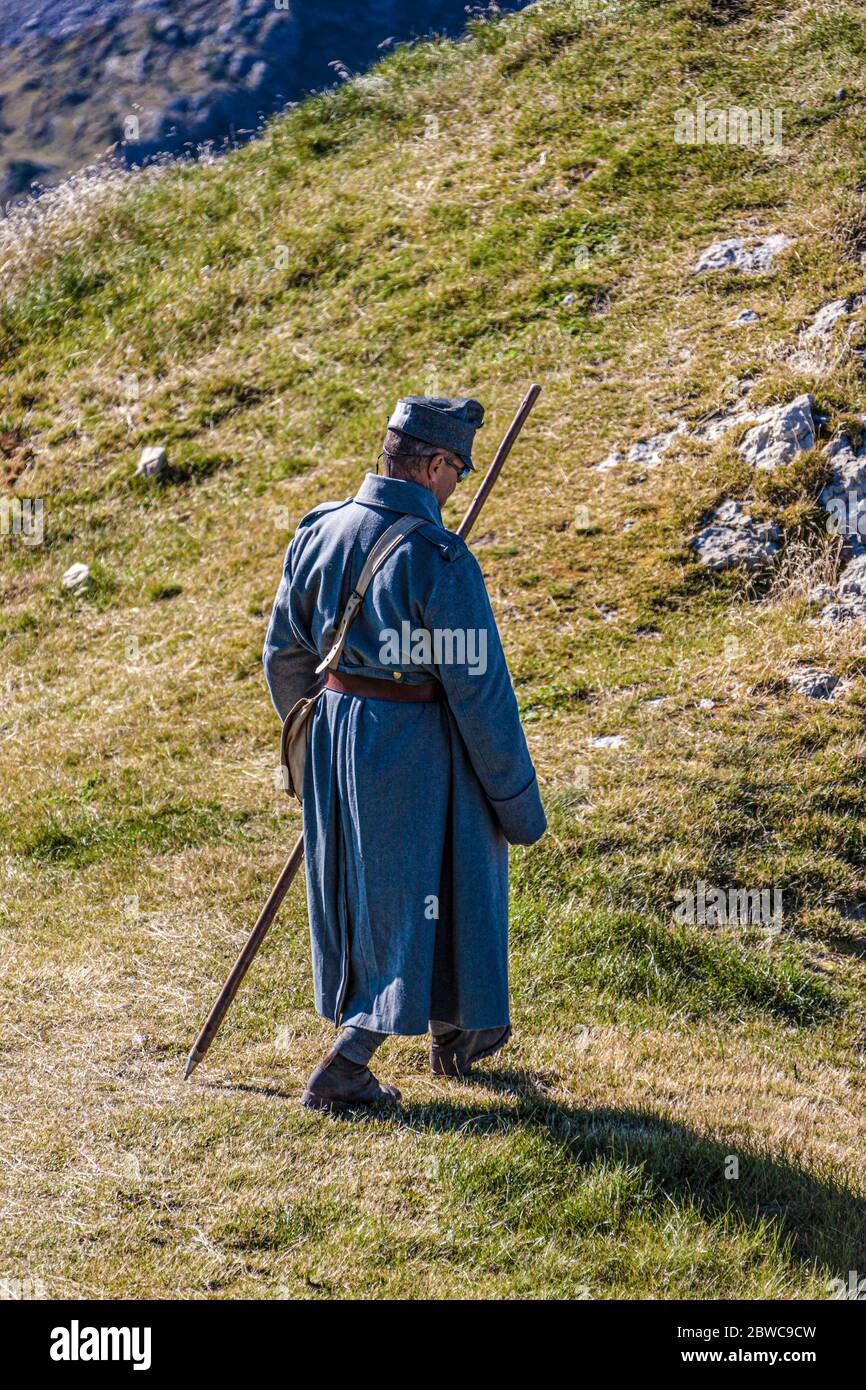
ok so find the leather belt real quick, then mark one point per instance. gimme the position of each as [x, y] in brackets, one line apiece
[373, 688]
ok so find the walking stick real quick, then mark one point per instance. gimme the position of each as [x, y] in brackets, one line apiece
[296, 858]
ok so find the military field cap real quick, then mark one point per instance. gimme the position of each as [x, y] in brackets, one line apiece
[446, 423]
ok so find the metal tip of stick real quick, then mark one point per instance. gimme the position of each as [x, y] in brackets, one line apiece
[192, 1062]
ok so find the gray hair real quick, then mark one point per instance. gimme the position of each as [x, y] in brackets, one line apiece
[406, 454]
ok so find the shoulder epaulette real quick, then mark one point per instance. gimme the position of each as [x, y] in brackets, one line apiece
[448, 543]
[321, 509]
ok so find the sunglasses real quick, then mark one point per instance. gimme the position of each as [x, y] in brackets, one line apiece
[462, 470]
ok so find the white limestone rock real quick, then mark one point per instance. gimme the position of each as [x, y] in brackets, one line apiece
[782, 432]
[814, 684]
[732, 538]
[844, 497]
[742, 253]
[613, 460]
[825, 320]
[152, 462]
[822, 340]
[849, 604]
[77, 577]
[822, 593]
[648, 452]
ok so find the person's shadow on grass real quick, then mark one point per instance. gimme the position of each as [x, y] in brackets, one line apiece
[819, 1218]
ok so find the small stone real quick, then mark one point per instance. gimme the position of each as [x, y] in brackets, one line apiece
[256, 77]
[735, 254]
[706, 704]
[613, 460]
[569, 298]
[76, 577]
[745, 318]
[841, 94]
[152, 462]
[607, 741]
[814, 684]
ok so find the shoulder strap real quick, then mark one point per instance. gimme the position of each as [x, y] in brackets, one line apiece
[387, 542]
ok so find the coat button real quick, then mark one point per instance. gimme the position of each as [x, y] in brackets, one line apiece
[398, 675]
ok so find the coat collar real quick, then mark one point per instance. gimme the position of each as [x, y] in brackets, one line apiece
[399, 495]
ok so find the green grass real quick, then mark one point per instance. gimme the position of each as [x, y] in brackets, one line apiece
[466, 218]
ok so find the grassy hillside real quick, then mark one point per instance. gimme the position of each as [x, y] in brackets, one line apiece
[467, 217]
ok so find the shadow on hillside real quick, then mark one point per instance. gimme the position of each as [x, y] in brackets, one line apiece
[821, 1221]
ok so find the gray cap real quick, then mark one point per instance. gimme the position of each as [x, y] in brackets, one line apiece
[446, 423]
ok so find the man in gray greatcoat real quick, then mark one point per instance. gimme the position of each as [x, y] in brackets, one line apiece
[418, 776]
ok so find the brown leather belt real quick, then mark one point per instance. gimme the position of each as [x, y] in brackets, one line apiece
[375, 689]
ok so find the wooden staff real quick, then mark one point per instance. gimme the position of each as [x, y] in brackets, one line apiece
[296, 858]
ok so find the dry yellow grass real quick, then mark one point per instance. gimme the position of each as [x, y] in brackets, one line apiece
[141, 820]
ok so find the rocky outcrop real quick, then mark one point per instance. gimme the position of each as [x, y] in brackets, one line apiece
[782, 432]
[815, 684]
[732, 539]
[646, 452]
[849, 601]
[153, 76]
[844, 497]
[742, 253]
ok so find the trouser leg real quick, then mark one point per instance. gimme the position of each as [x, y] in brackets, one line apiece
[453, 1050]
[358, 1044]
[444, 1034]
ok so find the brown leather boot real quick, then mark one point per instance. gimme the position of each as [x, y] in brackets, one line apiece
[454, 1052]
[338, 1084]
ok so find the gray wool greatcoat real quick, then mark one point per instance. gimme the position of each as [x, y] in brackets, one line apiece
[408, 807]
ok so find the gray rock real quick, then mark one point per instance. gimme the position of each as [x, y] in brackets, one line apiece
[844, 497]
[239, 64]
[613, 460]
[815, 684]
[820, 340]
[256, 77]
[822, 593]
[742, 253]
[782, 432]
[745, 319]
[649, 451]
[77, 577]
[152, 462]
[852, 584]
[733, 539]
[826, 319]
[849, 605]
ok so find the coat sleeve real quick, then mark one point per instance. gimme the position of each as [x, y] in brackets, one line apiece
[290, 668]
[482, 699]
